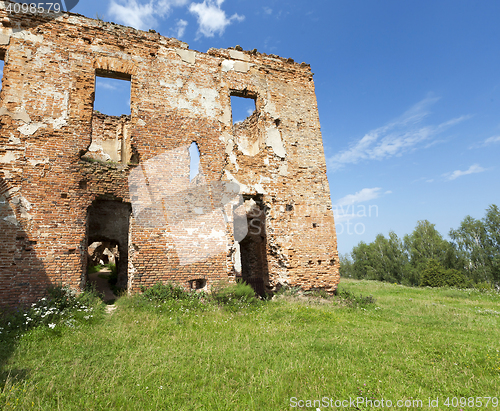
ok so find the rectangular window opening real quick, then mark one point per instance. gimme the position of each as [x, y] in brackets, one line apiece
[112, 93]
[242, 105]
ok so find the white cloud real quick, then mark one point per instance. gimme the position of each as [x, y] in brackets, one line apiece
[393, 139]
[346, 209]
[142, 16]
[106, 85]
[366, 194]
[476, 168]
[268, 10]
[491, 140]
[211, 18]
[180, 28]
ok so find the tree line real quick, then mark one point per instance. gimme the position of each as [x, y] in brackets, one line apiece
[424, 257]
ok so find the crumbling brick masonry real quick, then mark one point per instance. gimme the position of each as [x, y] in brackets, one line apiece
[259, 208]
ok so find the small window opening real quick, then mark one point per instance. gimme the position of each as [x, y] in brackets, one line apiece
[194, 163]
[197, 284]
[242, 106]
[112, 93]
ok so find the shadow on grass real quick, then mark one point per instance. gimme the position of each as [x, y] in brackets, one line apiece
[22, 275]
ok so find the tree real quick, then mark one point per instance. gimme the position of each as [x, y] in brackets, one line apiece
[471, 239]
[479, 243]
[385, 259]
[435, 275]
[363, 261]
[492, 224]
[425, 243]
[346, 266]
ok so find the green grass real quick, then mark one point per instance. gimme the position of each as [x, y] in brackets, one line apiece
[413, 343]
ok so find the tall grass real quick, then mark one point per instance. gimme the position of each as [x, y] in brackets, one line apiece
[183, 355]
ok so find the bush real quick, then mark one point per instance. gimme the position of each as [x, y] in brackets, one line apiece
[320, 293]
[164, 292]
[435, 275]
[352, 300]
[484, 287]
[232, 294]
[61, 306]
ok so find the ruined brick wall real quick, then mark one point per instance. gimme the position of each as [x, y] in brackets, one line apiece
[179, 229]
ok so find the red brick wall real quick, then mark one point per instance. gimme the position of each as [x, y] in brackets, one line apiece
[177, 96]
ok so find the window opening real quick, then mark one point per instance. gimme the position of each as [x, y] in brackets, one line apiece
[194, 163]
[242, 107]
[112, 93]
[2, 64]
[111, 119]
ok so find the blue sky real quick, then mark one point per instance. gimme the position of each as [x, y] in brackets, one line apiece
[408, 95]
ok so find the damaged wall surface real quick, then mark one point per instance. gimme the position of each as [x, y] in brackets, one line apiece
[259, 208]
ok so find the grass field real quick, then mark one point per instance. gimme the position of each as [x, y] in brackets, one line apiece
[412, 345]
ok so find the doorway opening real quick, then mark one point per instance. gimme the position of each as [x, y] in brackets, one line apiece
[253, 248]
[107, 239]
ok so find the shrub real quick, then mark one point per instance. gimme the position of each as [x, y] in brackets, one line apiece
[61, 306]
[352, 300]
[164, 292]
[435, 275]
[230, 294]
[484, 287]
[321, 293]
[287, 290]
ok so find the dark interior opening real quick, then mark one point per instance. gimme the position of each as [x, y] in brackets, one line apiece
[197, 284]
[108, 224]
[253, 248]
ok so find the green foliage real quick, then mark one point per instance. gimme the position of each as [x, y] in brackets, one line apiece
[484, 287]
[424, 243]
[61, 307]
[94, 268]
[435, 275]
[288, 291]
[164, 292]
[473, 255]
[175, 359]
[478, 241]
[320, 293]
[351, 299]
[234, 294]
[346, 268]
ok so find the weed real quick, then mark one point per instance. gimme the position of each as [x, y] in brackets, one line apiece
[61, 306]
[94, 269]
[350, 299]
[163, 292]
[235, 295]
